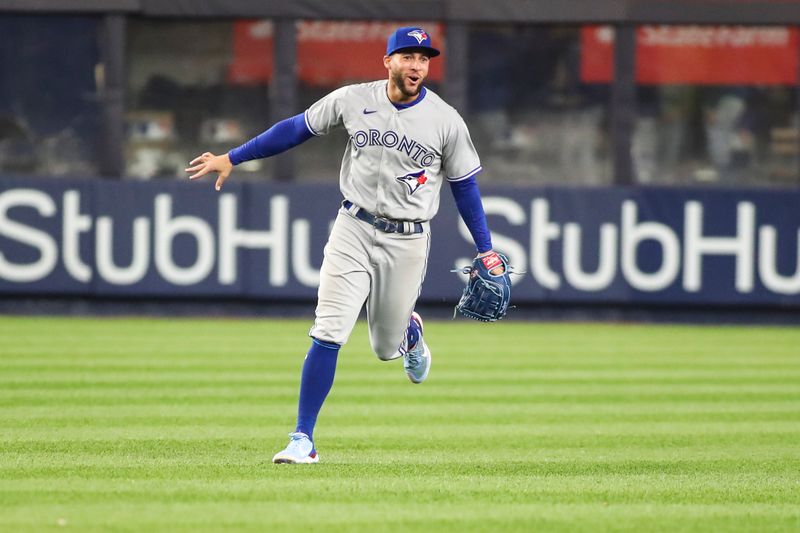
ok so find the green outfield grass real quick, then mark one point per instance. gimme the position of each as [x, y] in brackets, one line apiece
[170, 425]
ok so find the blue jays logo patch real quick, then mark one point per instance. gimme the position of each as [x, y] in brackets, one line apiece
[413, 181]
[419, 35]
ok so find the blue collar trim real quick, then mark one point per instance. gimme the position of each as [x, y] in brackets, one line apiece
[421, 97]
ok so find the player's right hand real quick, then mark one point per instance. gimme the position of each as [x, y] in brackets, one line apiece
[208, 162]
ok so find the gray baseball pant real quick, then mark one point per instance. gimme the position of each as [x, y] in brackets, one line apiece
[363, 264]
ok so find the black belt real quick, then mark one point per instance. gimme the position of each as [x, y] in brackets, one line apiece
[383, 224]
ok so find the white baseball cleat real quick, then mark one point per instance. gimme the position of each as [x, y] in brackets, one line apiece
[299, 451]
[417, 359]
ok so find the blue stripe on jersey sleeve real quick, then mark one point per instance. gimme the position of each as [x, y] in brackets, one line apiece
[308, 125]
[279, 138]
[470, 207]
[469, 174]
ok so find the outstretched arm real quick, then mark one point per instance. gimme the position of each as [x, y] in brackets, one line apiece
[279, 138]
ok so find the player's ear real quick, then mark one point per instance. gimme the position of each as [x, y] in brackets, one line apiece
[386, 60]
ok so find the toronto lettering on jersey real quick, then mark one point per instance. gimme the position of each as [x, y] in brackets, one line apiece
[390, 139]
[261, 242]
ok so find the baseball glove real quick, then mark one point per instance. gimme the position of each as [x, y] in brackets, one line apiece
[486, 296]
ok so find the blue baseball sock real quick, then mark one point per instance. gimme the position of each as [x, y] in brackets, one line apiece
[318, 371]
[412, 335]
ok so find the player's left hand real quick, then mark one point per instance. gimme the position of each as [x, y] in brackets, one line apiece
[208, 162]
[497, 270]
[488, 292]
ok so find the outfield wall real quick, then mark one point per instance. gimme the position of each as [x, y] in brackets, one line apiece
[609, 245]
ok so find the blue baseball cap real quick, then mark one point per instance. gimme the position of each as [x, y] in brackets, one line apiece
[410, 37]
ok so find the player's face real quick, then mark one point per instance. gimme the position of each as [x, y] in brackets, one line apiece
[407, 71]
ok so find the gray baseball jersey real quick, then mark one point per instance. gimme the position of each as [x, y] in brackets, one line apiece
[396, 159]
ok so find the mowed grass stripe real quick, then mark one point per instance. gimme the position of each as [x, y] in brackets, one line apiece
[151, 440]
[444, 415]
[155, 395]
[743, 488]
[105, 377]
[477, 410]
[169, 425]
[606, 435]
[200, 460]
[432, 515]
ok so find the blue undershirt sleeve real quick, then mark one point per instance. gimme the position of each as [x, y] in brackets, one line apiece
[279, 138]
[468, 202]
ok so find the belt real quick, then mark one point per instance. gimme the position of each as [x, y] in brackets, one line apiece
[383, 224]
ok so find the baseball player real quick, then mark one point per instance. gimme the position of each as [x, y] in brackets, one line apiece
[405, 142]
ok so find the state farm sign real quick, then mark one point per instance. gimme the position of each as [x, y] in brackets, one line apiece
[711, 55]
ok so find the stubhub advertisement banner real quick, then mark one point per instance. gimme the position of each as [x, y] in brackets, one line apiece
[265, 241]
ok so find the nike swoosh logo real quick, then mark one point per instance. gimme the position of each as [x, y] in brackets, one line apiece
[369, 112]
